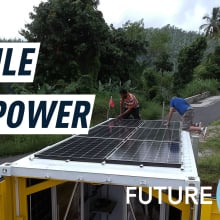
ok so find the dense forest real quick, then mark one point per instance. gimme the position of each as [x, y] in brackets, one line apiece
[80, 53]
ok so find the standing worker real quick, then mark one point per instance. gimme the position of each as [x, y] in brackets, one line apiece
[128, 105]
[187, 113]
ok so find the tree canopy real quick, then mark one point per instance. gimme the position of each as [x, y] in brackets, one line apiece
[189, 57]
[212, 27]
[80, 53]
[72, 34]
[122, 58]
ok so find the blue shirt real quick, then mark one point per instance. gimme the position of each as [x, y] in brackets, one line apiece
[180, 105]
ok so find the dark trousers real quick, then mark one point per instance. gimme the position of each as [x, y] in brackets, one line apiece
[134, 112]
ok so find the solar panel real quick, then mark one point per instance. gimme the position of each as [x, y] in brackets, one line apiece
[159, 124]
[147, 153]
[156, 134]
[110, 132]
[152, 124]
[124, 123]
[136, 142]
[81, 149]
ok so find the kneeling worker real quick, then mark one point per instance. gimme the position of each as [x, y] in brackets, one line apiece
[128, 105]
[187, 113]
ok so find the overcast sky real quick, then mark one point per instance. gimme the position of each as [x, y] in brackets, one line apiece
[184, 14]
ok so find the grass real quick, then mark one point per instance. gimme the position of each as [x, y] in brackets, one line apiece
[216, 123]
[20, 144]
[209, 162]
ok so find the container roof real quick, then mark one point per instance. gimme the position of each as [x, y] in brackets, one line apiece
[127, 152]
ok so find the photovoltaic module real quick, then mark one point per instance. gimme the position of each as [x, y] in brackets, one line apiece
[132, 142]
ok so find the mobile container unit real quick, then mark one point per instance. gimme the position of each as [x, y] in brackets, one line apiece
[87, 176]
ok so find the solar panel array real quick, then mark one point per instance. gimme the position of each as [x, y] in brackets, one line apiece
[136, 142]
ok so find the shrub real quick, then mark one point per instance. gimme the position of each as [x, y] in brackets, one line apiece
[150, 111]
[101, 110]
[198, 86]
[19, 144]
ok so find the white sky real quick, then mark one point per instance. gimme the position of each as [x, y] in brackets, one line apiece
[184, 14]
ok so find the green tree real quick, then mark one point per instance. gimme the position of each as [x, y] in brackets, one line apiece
[158, 44]
[163, 63]
[213, 64]
[121, 59]
[212, 25]
[188, 58]
[71, 33]
[150, 80]
[178, 39]
[210, 68]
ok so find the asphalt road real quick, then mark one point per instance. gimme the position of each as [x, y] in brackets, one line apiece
[208, 110]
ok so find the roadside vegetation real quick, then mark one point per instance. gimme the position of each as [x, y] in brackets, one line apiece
[209, 155]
